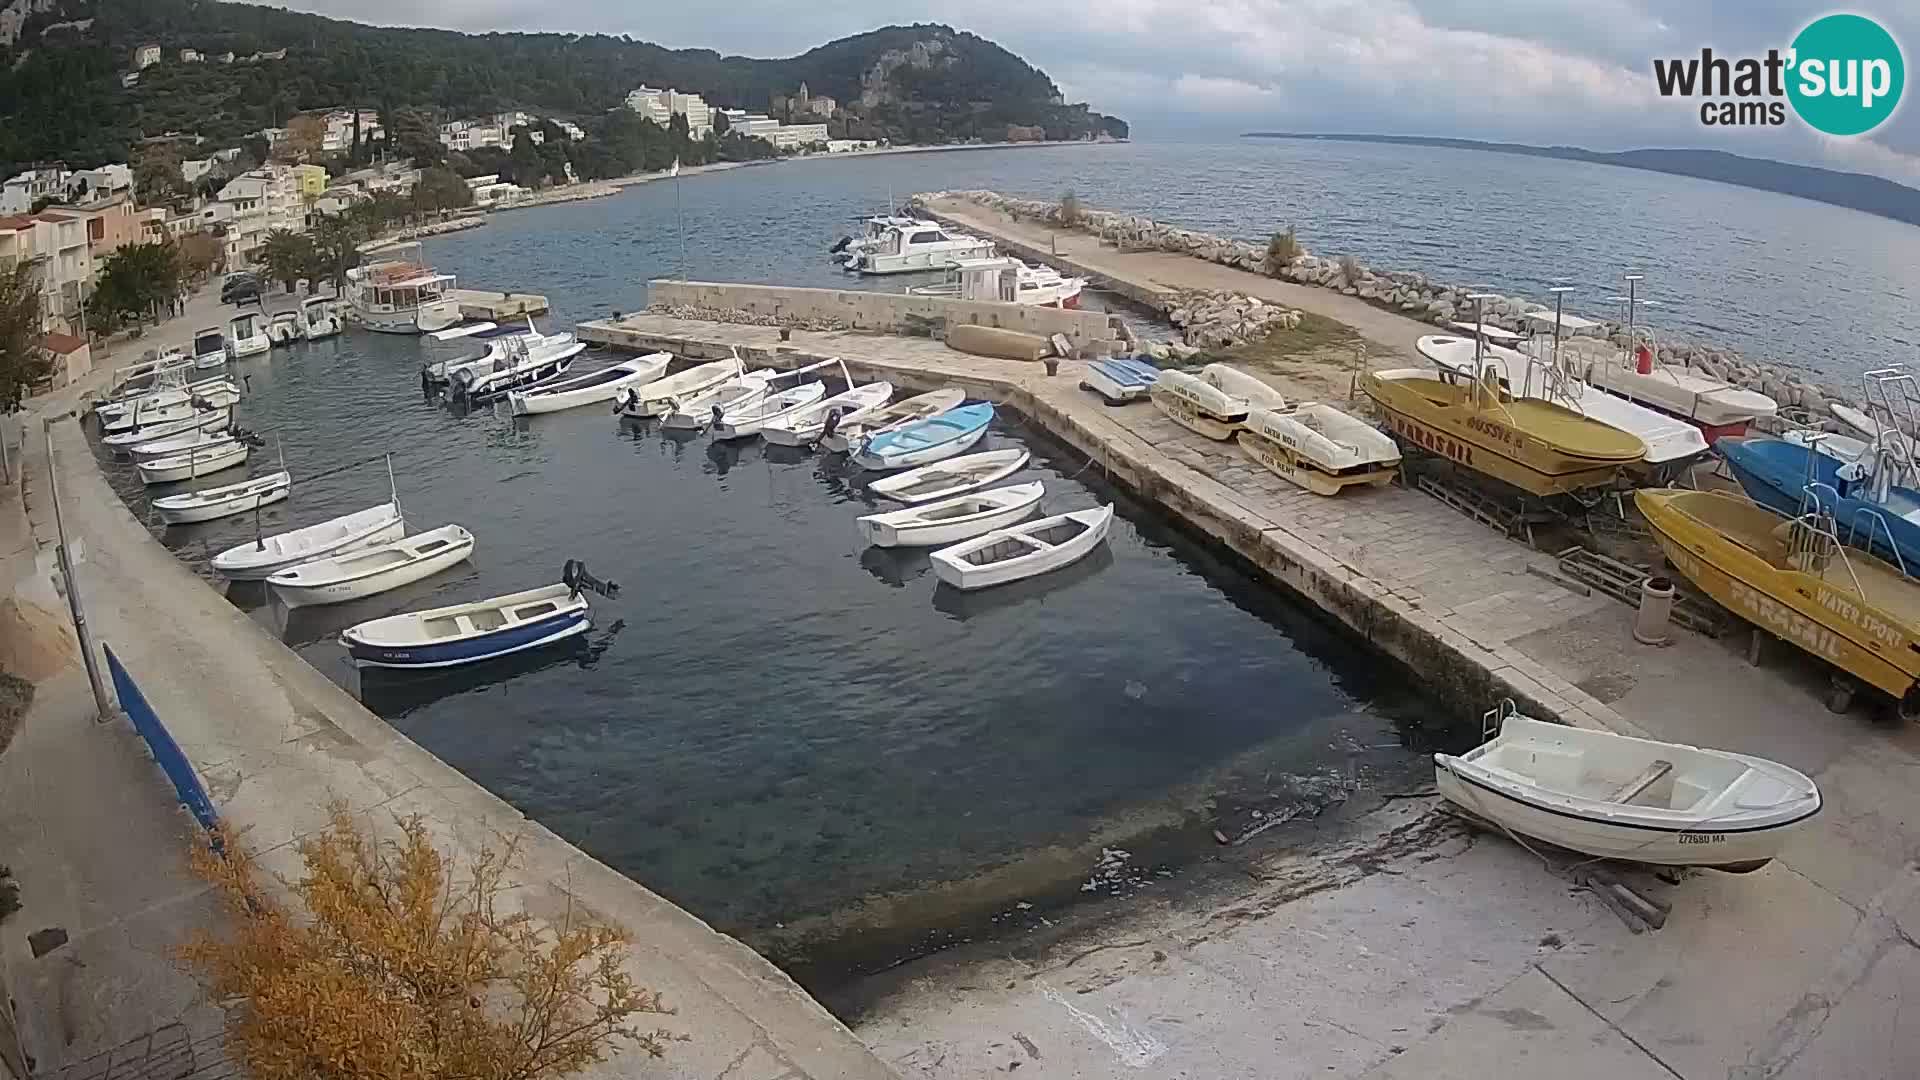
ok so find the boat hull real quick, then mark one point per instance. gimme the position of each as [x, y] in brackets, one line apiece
[339, 592]
[183, 513]
[260, 571]
[506, 642]
[193, 464]
[921, 486]
[878, 531]
[1120, 381]
[530, 403]
[1289, 464]
[952, 569]
[1773, 472]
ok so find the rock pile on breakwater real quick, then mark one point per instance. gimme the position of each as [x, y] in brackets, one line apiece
[1409, 293]
[1212, 321]
[745, 318]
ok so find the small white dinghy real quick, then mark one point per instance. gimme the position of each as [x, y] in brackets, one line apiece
[1023, 551]
[1215, 402]
[574, 391]
[210, 504]
[257, 559]
[803, 426]
[696, 412]
[1618, 797]
[200, 461]
[1319, 447]
[951, 520]
[468, 633]
[1121, 379]
[371, 571]
[954, 476]
[180, 444]
[895, 416]
[212, 418]
[656, 397]
[746, 421]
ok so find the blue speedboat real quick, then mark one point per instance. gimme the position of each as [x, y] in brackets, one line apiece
[1121, 379]
[926, 441]
[1778, 474]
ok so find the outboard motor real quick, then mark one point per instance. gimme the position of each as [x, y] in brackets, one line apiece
[620, 400]
[575, 577]
[717, 415]
[833, 423]
[841, 246]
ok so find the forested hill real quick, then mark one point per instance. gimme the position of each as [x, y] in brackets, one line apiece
[61, 95]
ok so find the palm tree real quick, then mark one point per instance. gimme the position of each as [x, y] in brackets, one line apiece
[287, 256]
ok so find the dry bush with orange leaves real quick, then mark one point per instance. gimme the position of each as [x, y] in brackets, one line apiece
[398, 969]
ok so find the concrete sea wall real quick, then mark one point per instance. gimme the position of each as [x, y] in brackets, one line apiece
[857, 309]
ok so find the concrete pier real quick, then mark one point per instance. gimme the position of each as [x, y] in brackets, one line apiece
[499, 306]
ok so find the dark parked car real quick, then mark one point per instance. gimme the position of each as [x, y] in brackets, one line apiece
[240, 288]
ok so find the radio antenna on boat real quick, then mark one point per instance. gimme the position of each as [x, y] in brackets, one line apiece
[393, 488]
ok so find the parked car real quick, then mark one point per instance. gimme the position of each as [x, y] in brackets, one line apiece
[236, 283]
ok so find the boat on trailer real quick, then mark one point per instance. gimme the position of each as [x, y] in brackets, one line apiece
[807, 425]
[469, 633]
[1319, 447]
[573, 391]
[951, 520]
[954, 476]
[924, 442]
[210, 504]
[257, 559]
[354, 575]
[1215, 402]
[1617, 797]
[848, 433]
[1120, 379]
[1023, 551]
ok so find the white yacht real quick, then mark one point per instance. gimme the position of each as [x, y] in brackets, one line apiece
[209, 348]
[319, 318]
[247, 335]
[1007, 281]
[876, 229]
[921, 246]
[396, 292]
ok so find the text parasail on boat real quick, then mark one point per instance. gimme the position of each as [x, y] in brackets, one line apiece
[575, 577]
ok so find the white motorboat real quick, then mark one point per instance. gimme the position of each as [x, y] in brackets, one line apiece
[216, 392]
[1668, 441]
[746, 421]
[257, 559]
[951, 520]
[209, 504]
[1318, 447]
[526, 361]
[467, 633]
[696, 412]
[209, 348]
[806, 425]
[660, 396]
[1213, 403]
[1006, 281]
[396, 292]
[1121, 379]
[955, 476]
[872, 237]
[847, 433]
[1616, 797]
[284, 328]
[201, 461]
[923, 245]
[247, 335]
[493, 348]
[1023, 551]
[170, 405]
[135, 380]
[123, 441]
[319, 318]
[595, 386]
[354, 575]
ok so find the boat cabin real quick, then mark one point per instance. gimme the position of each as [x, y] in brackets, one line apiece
[209, 341]
[240, 327]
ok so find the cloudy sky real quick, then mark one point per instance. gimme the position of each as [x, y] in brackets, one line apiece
[1554, 71]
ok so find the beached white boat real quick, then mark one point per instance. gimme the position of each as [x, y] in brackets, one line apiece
[658, 397]
[257, 559]
[1024, 550]
[467, 633]
[745, 421]
[805, 425]
[283, 328]
[954, 476]
[247, 335]
[353, 575]
[1318, 447]
[574, 391]
[200, 461]
[1213, 403]
[951, 520]
[209, 504]
[696, 412]
[897, 415]
[319, 318]
[208, 418]
[1121, 379]
[209, 348]
[1617, 797]
[1715, 405]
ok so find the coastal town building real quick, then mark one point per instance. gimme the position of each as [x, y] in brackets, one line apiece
[22, 191]
[263, 201]
[489, 190]
[193, 169]
[56, 243]
[574, 131]
[795, 136]
[338, 137]
[111, 223]
[98, 183]
[145, 57]
[191, 56]
[660, 106]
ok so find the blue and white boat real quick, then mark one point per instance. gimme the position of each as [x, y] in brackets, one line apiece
[1779, 475]
[1121, 379]
[468, 633]
[926, 441]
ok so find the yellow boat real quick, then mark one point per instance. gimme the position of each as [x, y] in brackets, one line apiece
[1792, 578]
[1534, 445]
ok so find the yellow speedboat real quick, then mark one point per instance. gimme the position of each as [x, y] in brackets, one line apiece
[1534, 445]
[1792, 578]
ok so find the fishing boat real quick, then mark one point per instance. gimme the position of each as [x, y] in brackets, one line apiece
[1006, 281]
[209, 348]
[1121, 379]
[319, 318]
[848, 433]
[926, 441]
[1213, 403]
[525, 362]
[469, 633]
[746, 421]
[804, 426]
[396, 292]
[354, 575]
[1874, 512]
[1023, 551]
[1793, 579]
[948, 478]
[209, 504]
[136, 380]
[1319, 447]
[184, 442]
[283, 328]
[1617, 797]
[258, 559]
[1670, 443]
[247, 335]
[495, 347]
[123, 441]
[696, 412]
[201, 461]
[574, 391]
[923, 245]
[1533, 445]
[663, 395]
[166, 406]
[951, 520]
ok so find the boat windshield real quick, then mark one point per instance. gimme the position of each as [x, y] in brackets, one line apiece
[208, 342]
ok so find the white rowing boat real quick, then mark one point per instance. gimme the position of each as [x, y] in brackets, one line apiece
[1023, 551]
[212, 418]
[745, 421]
[354, 575]
[806, 425]
[257, 559]
[209, 504]
[200, 461]
[180, 444]
[951, 520]
[573, 391]
[1618, 797]
[654, 398]
[696, 412]
[847, 433]
[468, 633]
[954, 476]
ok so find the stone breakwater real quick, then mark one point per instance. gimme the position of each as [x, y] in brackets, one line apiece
[1410, 293]
[1212, 321]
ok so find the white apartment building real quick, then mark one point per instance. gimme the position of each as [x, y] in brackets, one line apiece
[22, 191]
[472, 135]
[191, 56]
[57, 243]
[101, 183]
[262, 201]
[339, 133]
[659, 106]
[145, 57]
[573, 130]
[192, 169]
[790, 136]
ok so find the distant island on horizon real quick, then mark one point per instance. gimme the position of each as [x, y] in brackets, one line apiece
[1855, 191]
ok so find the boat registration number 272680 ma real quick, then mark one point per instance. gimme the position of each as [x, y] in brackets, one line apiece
[1703, 838]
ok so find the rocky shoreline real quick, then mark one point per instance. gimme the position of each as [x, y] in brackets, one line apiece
[1406, 292]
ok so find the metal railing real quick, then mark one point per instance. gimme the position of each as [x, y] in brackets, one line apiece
[63, 556]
